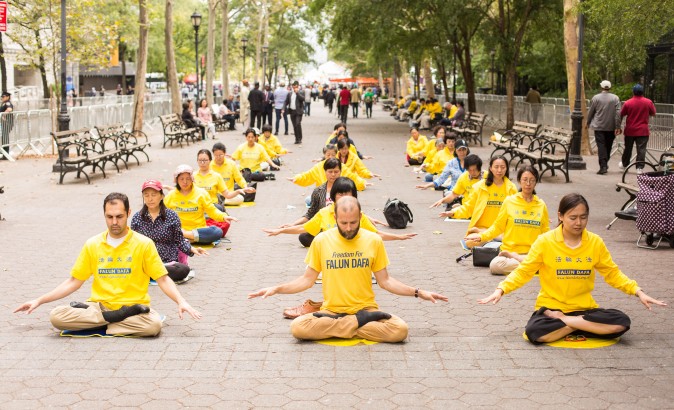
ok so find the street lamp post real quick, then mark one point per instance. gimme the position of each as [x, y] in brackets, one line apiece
[275, 67]
[244, 43]
[454, 69]
[265, 48]
[492, 53]
[196, 22]
[63, 118]
[575, 159]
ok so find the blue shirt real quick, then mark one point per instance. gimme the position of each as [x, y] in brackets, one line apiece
[453, 169]
[280, 95]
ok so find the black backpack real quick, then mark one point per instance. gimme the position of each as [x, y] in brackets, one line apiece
[397, 213]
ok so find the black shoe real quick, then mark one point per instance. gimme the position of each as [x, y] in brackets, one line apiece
[298, 142]
[602, 171]
[286, 133]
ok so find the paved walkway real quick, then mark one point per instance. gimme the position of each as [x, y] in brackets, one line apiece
[241, 355]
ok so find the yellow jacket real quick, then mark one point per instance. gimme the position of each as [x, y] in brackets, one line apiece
[315, 175]
[476, 204]
[412, 107]
[567, 275]
[355, 165]
[521, 222]
[414, 148]
[438, 161]
[191, 207]
[229, 172]
[272, 145]
[434, 109]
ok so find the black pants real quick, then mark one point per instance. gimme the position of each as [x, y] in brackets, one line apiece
[368, 109]
[306, 239]
[330, 104]
[540, 325]
[604, 140]
[354, 109]
[641, 142]
[344, 113]
[296, 119]
[267, 115]
[255, 118]
[231, 119]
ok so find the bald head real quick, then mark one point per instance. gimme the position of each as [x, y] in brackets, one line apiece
[347, 214]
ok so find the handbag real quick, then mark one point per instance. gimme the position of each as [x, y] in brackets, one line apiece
[483, 255]
[397, 214]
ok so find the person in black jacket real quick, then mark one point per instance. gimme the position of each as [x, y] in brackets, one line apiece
[329, 99]
[294, 105]
[256, 99]
[190, 120]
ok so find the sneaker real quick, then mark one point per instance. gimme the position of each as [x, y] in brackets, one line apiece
[620, 165]
[602, 171]
[189, 276]
[640, 171]
[309, 306]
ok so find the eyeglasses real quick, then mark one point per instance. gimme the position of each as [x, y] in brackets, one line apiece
[528, 181]
[202, 160]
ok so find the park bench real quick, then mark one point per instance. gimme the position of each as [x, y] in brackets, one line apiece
[78, 149]
[506, 140]
[549, 150]
[129, 143]
[176, 131]
[220, 123]
[387, 104]
[471, 128]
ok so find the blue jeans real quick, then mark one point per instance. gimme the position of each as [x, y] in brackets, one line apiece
[307, 108]
[209, 234]
[429, 177]
[278, 119]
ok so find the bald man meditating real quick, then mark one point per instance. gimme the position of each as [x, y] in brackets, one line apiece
[347, 257]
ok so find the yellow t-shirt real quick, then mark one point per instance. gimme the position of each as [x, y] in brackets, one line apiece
[230, 173]
[190, 208]
[250, 157]
[211, 183]
[346, 266]
[121, 274]
[325, 219]
[453, 111]
[496, 196]
[521, 222]
[567, 275]
[464, 185]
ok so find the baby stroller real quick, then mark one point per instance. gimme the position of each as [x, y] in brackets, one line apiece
[655, 208]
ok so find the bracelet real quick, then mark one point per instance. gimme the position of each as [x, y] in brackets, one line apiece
[416, 292]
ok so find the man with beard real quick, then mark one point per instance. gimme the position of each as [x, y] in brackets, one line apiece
[347, 256]
[122, 262]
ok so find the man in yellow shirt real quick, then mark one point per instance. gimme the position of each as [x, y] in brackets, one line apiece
[230, 173]
[252, 155]
[347, 257]
[122, 262]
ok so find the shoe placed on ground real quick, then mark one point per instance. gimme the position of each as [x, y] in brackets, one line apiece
[298, 142]
[640, 171]
[620, 165]
[602, 171]
[286, 133]
[189, 276]
[309, 306]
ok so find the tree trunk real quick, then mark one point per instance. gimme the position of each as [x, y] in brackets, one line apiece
[404, 80]
[122, 62]
[511, 74]
[141, 67]
[224, 33]
[571, 52]
[3, 66]
[428, 79]
[439, 61]
[466, 64]
[171, 71]
[258, 41]
[210, 52]
[381, 79]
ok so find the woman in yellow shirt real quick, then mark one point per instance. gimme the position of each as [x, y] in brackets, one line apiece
[350, 161]
[212, 182]
[416, 147]
[190, 202]
[316, 174]
[522, 218]
[229, 172]
[484, 204]
[272, 145]
[567, 259]
[252, 155]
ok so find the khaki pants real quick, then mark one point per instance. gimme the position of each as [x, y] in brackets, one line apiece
[501, 265]
[310, 327]
[70, 318]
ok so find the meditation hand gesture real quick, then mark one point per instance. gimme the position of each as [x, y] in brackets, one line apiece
[263, 293]
[447, 214]
[644, 299]
[473, 237]
[248, 190]
[272, 232]
[432, 296]
[199, 251]
[437, 203]
[185, 307]
[28, 307]
[493, 298]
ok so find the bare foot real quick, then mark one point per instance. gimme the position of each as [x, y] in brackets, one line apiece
[556, 314]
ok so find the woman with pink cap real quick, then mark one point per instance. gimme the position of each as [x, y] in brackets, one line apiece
[162, 225]
[190, 203]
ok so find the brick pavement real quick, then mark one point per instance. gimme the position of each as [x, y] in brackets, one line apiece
[241, 354]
